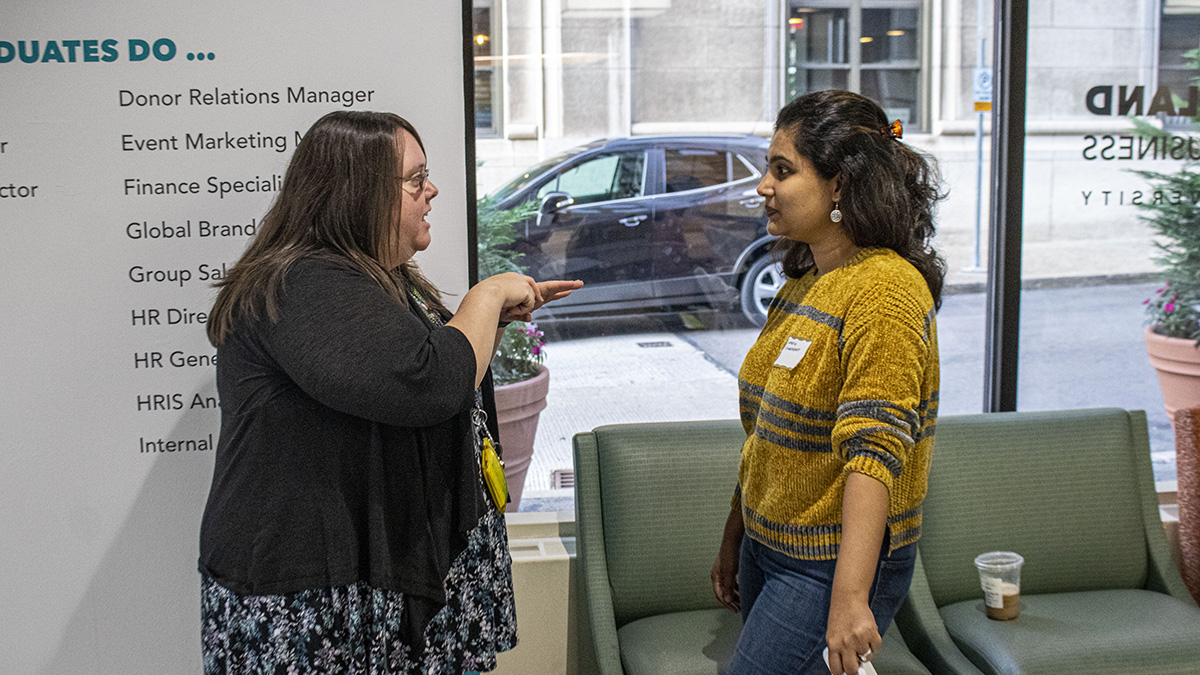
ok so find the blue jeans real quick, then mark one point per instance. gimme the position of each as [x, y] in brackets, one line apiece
[785, 606]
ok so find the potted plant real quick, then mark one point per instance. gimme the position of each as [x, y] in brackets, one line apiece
[522, 381]
[1173, 333]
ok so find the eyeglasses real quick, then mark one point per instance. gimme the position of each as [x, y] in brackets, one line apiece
[417, 181]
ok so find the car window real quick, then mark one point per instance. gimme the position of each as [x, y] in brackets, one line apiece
[603, 178]
[740, 168]
[692, 168]
[528, 176]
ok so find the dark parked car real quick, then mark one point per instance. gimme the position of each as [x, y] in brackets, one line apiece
[650, 223]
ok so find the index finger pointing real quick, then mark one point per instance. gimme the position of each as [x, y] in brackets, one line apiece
[559, 285]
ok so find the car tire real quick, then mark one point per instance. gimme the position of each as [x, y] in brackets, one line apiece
[759, 286]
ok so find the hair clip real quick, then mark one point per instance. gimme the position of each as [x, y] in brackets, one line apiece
[893, 130]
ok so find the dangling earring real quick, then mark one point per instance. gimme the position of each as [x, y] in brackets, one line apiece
[836, 214]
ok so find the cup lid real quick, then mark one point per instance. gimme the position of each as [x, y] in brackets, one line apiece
[998, 560]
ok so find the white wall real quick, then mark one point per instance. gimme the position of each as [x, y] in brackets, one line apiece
[98, 539]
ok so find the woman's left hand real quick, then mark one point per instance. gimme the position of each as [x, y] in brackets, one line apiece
[851, 634]
[547, 291]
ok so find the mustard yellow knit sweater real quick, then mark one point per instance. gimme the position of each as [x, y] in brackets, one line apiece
[862, 398]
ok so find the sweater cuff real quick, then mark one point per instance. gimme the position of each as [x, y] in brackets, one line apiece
[870, 466]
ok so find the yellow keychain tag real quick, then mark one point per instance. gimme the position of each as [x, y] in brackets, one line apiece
[493, 475]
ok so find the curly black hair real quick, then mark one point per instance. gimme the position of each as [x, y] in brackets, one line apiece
[888, 189]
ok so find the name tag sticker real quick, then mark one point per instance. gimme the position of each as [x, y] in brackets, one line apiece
[792, 352]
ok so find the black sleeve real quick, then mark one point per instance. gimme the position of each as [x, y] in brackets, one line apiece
[348, 344]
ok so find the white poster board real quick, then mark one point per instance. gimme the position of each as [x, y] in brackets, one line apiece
[140, 143]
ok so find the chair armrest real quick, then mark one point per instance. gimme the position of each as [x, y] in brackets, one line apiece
[590, 554]
[1161, 574]
[925, 633]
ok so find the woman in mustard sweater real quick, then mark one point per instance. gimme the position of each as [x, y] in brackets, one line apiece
[838, 396]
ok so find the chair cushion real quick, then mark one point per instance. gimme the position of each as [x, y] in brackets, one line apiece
[684, 643]
[701, 642]
[1056, 487]
[1117, 632]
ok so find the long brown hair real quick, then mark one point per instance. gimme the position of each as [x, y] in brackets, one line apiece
[888, 190]
[339, 200]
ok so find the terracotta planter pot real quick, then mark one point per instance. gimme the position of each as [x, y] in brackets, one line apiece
[1178, 364]
[1187, 463]
[518, 407]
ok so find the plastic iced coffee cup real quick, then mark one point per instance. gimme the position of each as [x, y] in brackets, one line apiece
[1000, 576]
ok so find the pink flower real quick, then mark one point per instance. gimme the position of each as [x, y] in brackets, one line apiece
[1146, 301]
[1169, 308]
[537, 349]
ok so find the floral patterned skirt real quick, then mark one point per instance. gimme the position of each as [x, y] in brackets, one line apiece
[353, 629]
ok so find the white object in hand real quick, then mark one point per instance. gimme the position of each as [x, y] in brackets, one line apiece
[865, 669]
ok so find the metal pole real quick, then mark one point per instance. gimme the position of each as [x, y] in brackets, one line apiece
[977, 259]
[1008, 165]
[980, 62]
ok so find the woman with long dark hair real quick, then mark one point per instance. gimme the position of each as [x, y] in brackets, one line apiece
[839, 394]
[349, 528]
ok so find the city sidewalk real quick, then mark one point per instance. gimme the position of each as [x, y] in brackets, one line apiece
[641, 377]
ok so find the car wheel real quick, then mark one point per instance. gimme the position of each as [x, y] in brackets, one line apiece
[762, 281]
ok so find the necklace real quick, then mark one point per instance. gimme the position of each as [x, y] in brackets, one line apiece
[420, 300]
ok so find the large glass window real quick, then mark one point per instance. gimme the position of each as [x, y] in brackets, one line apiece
[890, 61]
[1089, 259]
[486, 72]
[818, 55]
[659, 149]
[868, 47]
[1179, 34]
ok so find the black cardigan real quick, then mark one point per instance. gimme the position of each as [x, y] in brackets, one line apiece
[345, 452]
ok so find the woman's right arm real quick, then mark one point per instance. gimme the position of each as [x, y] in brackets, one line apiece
[352, 347]
[725, 568]
[479, 313]
[478, 318]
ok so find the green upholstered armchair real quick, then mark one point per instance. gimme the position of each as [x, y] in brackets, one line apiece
[1072, 492]
[651, 501]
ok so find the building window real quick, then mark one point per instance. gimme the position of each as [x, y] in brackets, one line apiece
[487, 72]
[871, 47]
[1179, 38]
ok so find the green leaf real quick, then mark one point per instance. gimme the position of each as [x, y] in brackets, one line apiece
[497, 231]
[1172, 211]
